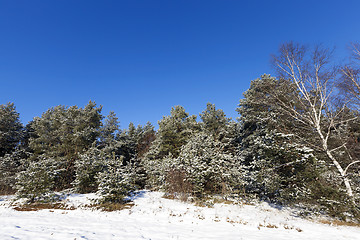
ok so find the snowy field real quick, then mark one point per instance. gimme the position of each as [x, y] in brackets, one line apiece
[153, 217]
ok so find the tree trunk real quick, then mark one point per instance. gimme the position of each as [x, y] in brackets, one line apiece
[337, 165]
[343, 175]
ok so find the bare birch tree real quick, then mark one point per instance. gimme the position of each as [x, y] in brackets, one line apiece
[350, 81]
[314, 81]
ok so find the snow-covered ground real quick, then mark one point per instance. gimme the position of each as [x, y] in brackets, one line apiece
[153, 217]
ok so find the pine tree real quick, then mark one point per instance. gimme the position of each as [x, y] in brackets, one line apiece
[214, 120]
[62, 134]
[174, 132]
[10, 165]
[145, 140]
[116, 181]
[126, 141]
[87, 167]
[275, 162]
[10, 128]
[108, 132]
[208, 166]
[37, 181]
[11, 153]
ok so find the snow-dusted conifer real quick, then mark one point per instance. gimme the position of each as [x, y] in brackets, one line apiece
[36, 182]
[275, 163]
[208, 167]
[214, 120]
[131, 145]
[174, 132]
[62, 133]
[10, 128]
[87, 166]
[108, 132]
[10, 165]
[116, 181]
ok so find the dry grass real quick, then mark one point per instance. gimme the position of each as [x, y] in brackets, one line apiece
[339, 223]
[224, 201]
[236, 222]
[268, 225]
[110, 207]
[169, 196]
[287, 227]
[271, 226]
[203, 204]
[42, 206]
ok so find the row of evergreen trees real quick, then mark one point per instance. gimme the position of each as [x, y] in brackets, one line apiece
[271, 153]
[74, 148]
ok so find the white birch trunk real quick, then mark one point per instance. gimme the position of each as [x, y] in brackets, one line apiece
[341, 171]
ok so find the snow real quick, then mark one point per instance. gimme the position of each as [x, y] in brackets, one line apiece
[154, 217]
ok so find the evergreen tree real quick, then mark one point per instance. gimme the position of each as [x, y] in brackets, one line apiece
[276, 164]
[11, 153]
[145, 140]
[62, 134]
[207, 162]
[108, 132]
[37, 181]
[130, 145]
[10, 165]
[116, 181]
[87, 167]
[10, 128]
[174, 132]
[214, 120]
[208, 166]
[126, 141]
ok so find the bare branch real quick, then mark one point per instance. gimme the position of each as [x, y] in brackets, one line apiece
[313, 79]
[348, 166]
[337, 148]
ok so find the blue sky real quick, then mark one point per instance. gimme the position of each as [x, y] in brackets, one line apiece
[140, 58]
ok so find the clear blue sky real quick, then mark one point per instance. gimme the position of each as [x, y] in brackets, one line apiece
[140, 58]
